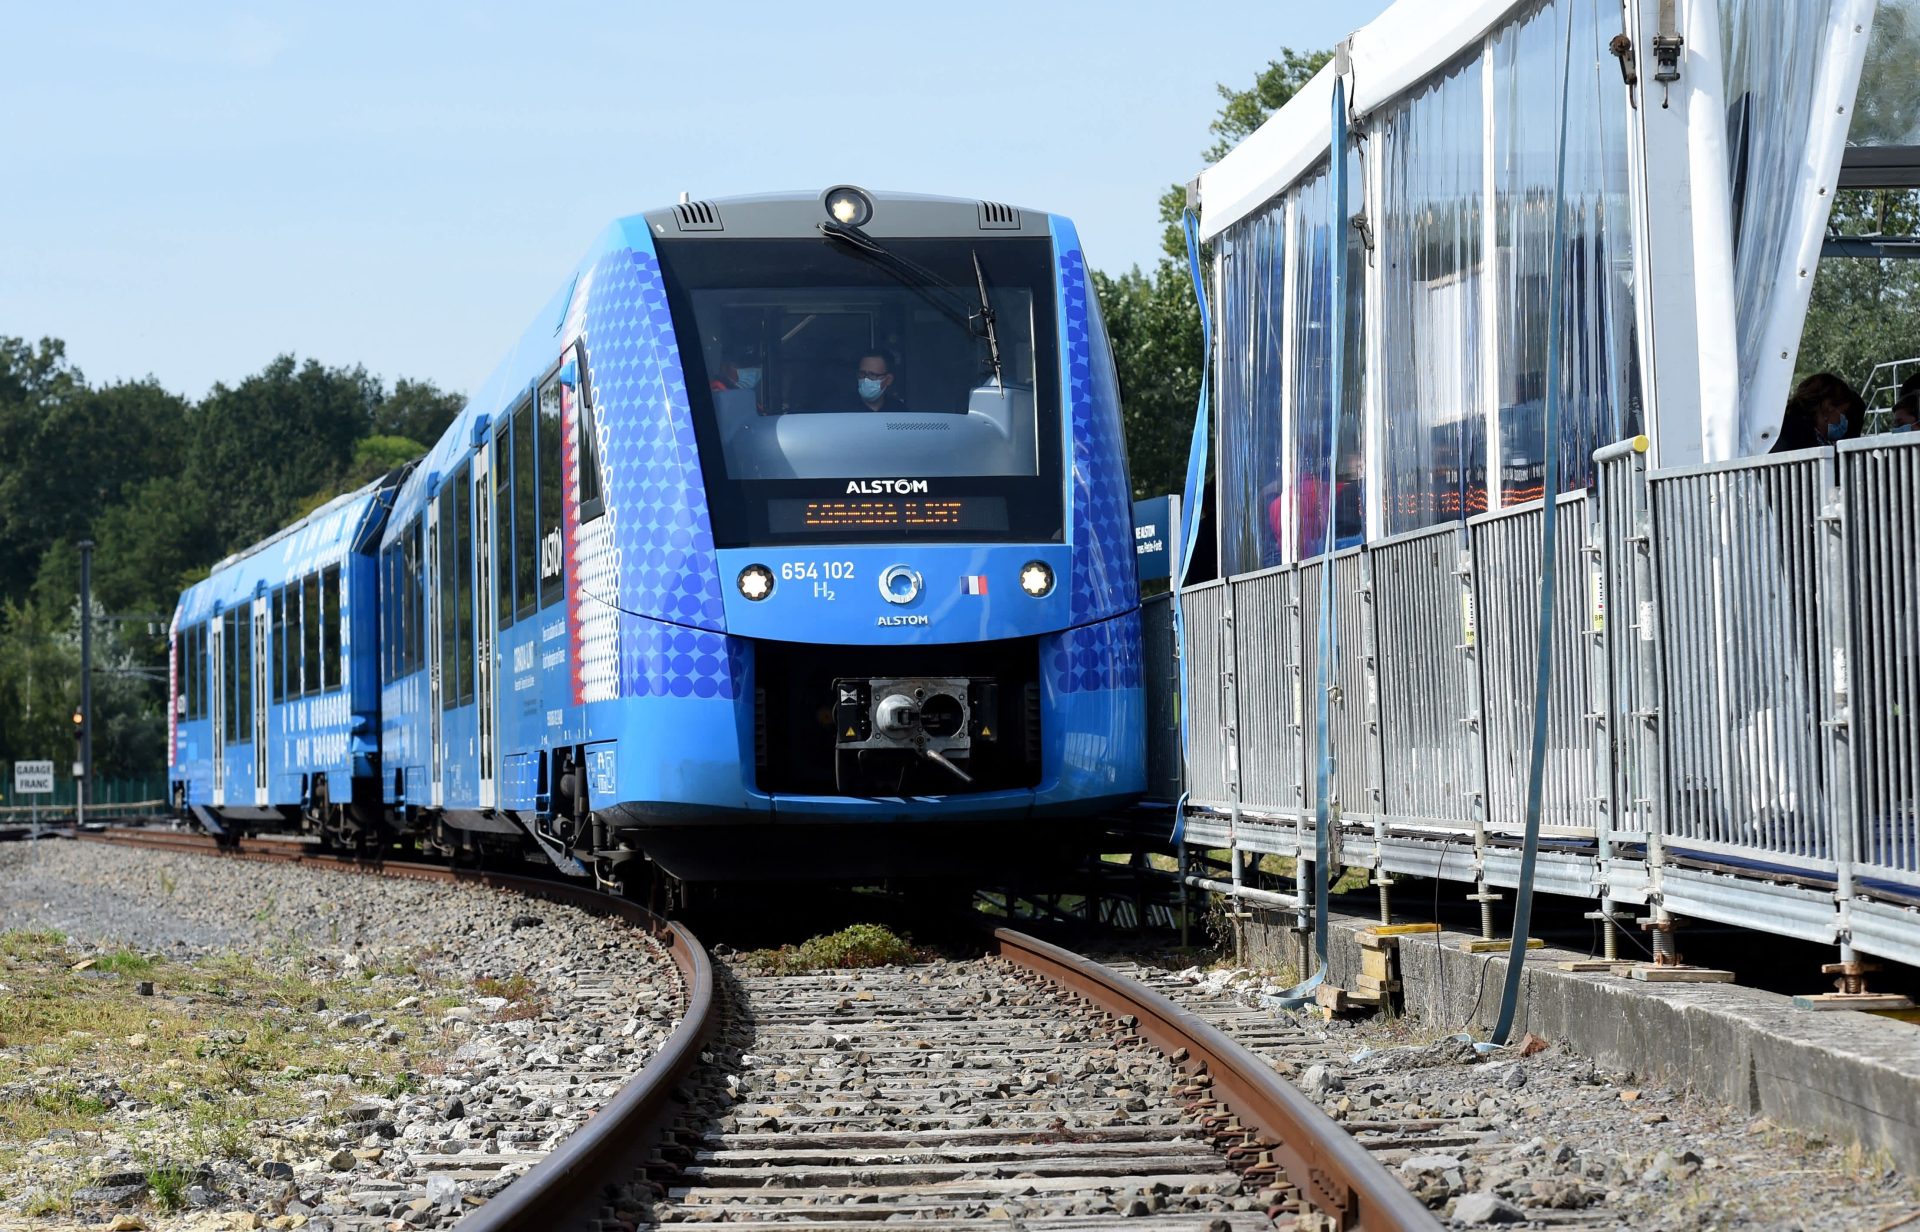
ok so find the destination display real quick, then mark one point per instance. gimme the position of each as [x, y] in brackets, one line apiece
[786, 516]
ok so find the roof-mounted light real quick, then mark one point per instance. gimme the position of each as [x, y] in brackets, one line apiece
[847, 205]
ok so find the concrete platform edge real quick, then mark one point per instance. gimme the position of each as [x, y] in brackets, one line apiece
[1848, 1076]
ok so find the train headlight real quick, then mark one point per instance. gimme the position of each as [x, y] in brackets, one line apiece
[848, 205]
[756, 582]
[1036, 579]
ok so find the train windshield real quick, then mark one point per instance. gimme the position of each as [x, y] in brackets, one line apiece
[864, 391]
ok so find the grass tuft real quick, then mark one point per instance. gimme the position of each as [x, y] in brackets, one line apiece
[126, 962]
[168, 1185]
[861, 945]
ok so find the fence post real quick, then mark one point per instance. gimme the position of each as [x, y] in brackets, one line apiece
[1305, 702]
[1376, 769]
[1601, 737]
[1652, 692]
[1836, 721]
[1477, 725]
[1230, 749]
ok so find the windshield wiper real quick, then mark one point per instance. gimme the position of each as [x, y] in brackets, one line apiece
[923, 281]
[986, 317]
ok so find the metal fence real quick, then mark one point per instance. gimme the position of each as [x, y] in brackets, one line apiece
[1734, 706]
[122, 797]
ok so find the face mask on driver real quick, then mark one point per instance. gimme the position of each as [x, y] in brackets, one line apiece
[870, 388]
[1837, 430]
[747, 378]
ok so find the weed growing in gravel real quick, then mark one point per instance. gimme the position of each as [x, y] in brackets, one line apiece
[862, 945]
[23, 943]
[519, 993]
[167, 1183]
[125, 962]
[229, 1041]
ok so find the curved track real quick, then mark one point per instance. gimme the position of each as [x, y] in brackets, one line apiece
[873, 1126]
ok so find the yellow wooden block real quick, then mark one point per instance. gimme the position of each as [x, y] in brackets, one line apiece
[1479, 946]
[1368, 983]
[1387, 936]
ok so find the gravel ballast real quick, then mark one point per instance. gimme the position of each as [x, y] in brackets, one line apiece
[1537, 1135]
[468, 1032]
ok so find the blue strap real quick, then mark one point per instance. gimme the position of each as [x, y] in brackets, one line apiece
[1543, 664]
[1190, 498]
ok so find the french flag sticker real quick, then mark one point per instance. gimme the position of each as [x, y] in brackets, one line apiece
[974, 583]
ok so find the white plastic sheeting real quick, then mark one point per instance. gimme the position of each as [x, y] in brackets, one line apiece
[1597, 382]
[1790, 68]
[1318, 495]
[1252, 476]
[1409, 41]
[1432, 456]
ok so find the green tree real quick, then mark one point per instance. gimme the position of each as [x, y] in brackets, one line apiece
[262, 446]
[1864, 310]
[1152, 318]
[417, 411]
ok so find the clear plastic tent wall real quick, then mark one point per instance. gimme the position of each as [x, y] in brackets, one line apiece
[1465, 226]
[1252, 472]
[1596, 296]
[1317, 494]
[1790, 69]
[1432, 258]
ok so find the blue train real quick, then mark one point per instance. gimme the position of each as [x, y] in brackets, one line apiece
[793, 538]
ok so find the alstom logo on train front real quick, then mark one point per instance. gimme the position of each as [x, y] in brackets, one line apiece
[884, 487]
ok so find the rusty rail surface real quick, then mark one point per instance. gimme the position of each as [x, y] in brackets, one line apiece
[1335, 1174]
[567, 1188]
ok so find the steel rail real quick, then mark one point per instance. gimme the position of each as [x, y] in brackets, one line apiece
[1333, 1172]
[568, 1187]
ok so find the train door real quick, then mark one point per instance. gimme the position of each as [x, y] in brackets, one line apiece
[484, 627]
[217, 669]
[257, 699]
[437, 600]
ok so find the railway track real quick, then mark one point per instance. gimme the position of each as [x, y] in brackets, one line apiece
[1031, 1085]
[1291, 1047]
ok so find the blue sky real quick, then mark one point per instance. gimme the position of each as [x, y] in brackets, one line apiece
[191, 190]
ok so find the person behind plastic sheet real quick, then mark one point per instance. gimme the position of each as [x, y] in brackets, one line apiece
[1906, 414]
[875, 388]
[1312, 495]
[1822, 411]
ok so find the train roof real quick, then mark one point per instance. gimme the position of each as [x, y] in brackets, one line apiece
[792, 215]
[324, 537]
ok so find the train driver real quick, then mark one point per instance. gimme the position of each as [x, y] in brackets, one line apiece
[875, 374]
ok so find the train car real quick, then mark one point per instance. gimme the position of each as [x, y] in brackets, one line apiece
[274, 694]
[793, 538]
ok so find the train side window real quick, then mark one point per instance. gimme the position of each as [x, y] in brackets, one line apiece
[586, 417]
[226, 676]
[449, 587]
[243, 673]
[417, 591]
[310, 633]
[386, 615]
[403, 594]
[526, 546]
[330, 628]
[503, 526]
[197, 667]
[278, 645]
[552, 544]
[463, 568]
